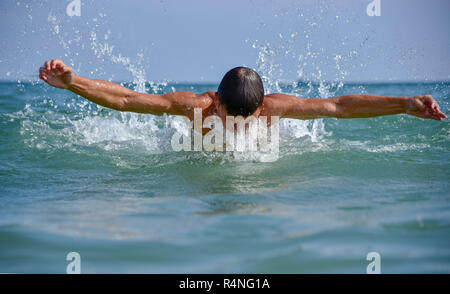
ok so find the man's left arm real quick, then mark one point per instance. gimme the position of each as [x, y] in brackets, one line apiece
[359, 106]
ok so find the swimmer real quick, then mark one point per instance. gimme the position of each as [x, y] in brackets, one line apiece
[240, 93]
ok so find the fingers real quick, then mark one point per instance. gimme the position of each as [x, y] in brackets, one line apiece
[54, 64]
[436, 111]
[53, 68]
[437, 115]
[59, 68]
[441, 114]
[43, 74]
[62, 68]
[433, 110]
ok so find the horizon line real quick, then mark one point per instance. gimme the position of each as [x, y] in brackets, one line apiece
[282, 82]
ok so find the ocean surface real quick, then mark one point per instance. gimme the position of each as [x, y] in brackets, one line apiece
[75, 177]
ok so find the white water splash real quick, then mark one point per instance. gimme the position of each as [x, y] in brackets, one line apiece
[103, 49]
[121, 127]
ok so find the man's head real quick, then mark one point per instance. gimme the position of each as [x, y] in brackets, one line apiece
[241, 91]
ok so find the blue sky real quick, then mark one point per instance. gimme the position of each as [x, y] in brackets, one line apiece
[199, 40]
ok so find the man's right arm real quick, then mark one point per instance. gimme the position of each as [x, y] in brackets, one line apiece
[115, 96]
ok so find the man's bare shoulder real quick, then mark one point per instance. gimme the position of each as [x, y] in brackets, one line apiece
[276, 104]
[279, 97]
[206, 99]
[191, 99]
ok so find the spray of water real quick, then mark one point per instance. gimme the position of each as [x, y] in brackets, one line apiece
[113, 130]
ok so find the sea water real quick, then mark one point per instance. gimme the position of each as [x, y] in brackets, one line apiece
[75, 177]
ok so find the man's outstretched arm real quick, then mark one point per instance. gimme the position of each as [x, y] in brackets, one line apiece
[357, 106]
[115, 96]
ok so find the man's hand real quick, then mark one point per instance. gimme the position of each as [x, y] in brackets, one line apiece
[57, 74]
[424, 107]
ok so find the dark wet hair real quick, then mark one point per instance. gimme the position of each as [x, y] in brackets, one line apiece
[241, 91]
